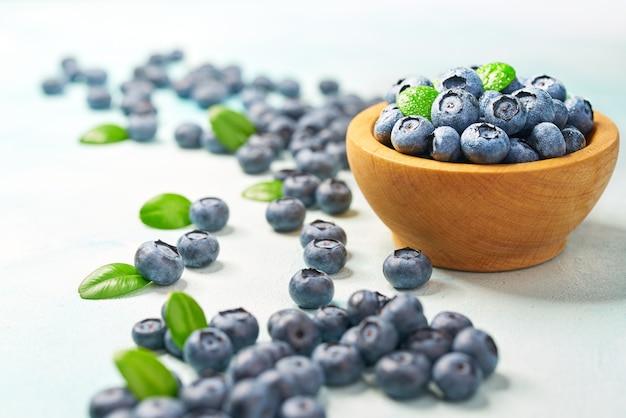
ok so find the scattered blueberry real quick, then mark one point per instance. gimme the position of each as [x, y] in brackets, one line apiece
[142, 128]
[310, 288]
[209, 214]
[205, 392]
[296, 328]
[327, 255]
[251, 398]
[98, 97]
[377, 337]
[406, 314]
[208, 350]
[480, 346]
[317, 162]
[188, 135]
[322, 230]
[332, 321]
[150, 333]
[249, 362]
[341, 363]
[240, 325]
[159, 407]
[403, 374]
[407, 268]
[95, 76]
[302, 186]
[198, 248]
[431, 342]
[333, 196]
[363, 303]
[307, 375]
[450, 322]
[254, 159]
[53, 85]
[159, 262]
[457, 376]
[110, 399]
[171, 346]
[301, 407]
[285, 214]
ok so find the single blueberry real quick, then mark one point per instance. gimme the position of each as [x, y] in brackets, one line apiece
[282, 385]
[332, 321]
[254, 159]
[377, 337]
[277, 349]
[450, 322]
[551, 85]
[333, 196]
[263, 82]
[205, 392]
[484, 143]
[403, 374]
[282, 126]
[341, 363]
[209, 92]
[210, 142]
[198, 248]
[159, 407]
[302, 186]
[539, 107]
[307, 375]
[350, 336]
[507, 112]
[98, 97]
[560, 113]
[392, 91]
[209, 213]
[414, 80]
[456, 108]
[285, 214]
[322, 230]
[485, 98]
[294, 108]
[363, 303]
[251, 398]
[53, 85]
[295, 328]
[445, 144]
[429, 341]
[515, 85]
[150, 333]
[208, 350]
[579, 114]
[405, 312]
[240, 325]
[456, 376]
[574, 139]
[407, 268]
[171, 346]
[311, 288]
[327, 255]
[159, 262]
[410, 135]
[317, 162]
[71, 69]
[95, 76]
[183, 87]
[301, 407]
[110, 399]
[329, 86]
[267, 140]
[337, 150]
[187, 135]
[546, 138]
[288, 87]
[520, 152]
[142, 128]
[464, 78]
[249, 362]
[480, 346]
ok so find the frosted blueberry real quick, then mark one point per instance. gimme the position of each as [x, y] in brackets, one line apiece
[445, 144]
[460, 78]
[98, 97]
[110, 399]
[282, 385]
[506, 112]
[560, 113]
[322, 230]
[407, 268]
[301, 407]
[317, 162]
[333, 196]
[579, 114]
[187, 135]
[198, 248]
[431, 342]
[363, 303]
[456, 108]
[208, 350]
[376, 337]
[410, 135]
[332, 322]
[385, 122]
[484, 143]
[327, 255]
[150, 333]
[295, 328]
[240, 325]
[205, 392]
[539, 107]
[574, 139]
[551, 85]
[301, 186]
[406, 314]
[249, 362]
[159, 407]
[159, 262]
[285, 214]
[414, 80]
[486, 97]
[310, 288]
[307, 375]
[341, 363]
[450, 322]
[480, 346]
[254, 159]
[456, 376]
[520, 152]
[546, 138]
[251, 398]
[403, 374]
[209, 214]
[142, 128]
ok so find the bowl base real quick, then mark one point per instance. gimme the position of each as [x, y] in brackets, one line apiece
[483, 263]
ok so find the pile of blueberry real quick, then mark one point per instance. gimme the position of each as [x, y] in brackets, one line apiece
[387, 339]
[484, 115]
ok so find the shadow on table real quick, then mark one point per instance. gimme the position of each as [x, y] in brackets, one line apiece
[591, 268]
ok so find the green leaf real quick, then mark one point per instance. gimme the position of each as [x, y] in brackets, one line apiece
[104, 134]
[144, 373]
[265, 191]
[183, 316]
[110, 281]
[232, 129]
[166, 211]
[496, 75]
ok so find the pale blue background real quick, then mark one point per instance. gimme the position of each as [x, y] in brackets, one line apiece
[67, 209]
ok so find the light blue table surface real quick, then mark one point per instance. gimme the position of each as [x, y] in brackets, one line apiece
[67, 208]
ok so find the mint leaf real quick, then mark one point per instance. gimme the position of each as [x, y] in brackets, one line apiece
[183, 316]
[144, 373]
[265, 191]
[232, 129]
[104, 134]
[110, 281]
[166, 211]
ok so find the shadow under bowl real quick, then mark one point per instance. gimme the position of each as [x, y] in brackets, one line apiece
[475, 217]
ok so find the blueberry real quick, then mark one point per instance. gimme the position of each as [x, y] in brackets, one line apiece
[240, 325]
[341, 363]
[429, 341]
[487, 96]
[155, 74]
[546, 138]
[159, 407]
[392, 91]
[208, 93]
[338, 151]
[249, 362]
[206, 413]
[560, 113]
[136, 104]
[95, 76]
[484, 143]
[208, 350]
[456, 108]
[407, 268]
[410, 135]
[333, 196]
[574, 139]
[150, 333]
[445, 144]
[405, 312]
[579, 114]
[187, 135]
[159, 262]
[183, 87]
[209, 214]
[478, 344]
[322, 230]
[377, 337]
[282, 126]
[515, 85]
[263, 82]
[53, 85]
[171, 346]
[327, 255]
[295, 328]
[332, 321]
[282, 385]
[277, 349]
[301, 407]
[288, 87]
[403, 374]
[539, 107]
[205, 392]
[350, 336]
[317, 162]
[294, 108]
[301, 186]
[98, 98]
[142, 128]
[551, 85]
[329, 86]
[210, 142]
[311, 288]
[198, 248]
[507, 112]
[450, 322]
[283, 173]
[70, 69]
[520, 152]
[307, 375]
[285, 214]
[251, 398]
[457, 376]
[460, 78]
[363, 303]
[414, 80]
[267, 140]
[110, 399]
[254, 159]
[121, 413]
[137, 87]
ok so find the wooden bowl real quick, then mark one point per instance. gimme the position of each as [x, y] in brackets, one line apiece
[475, 217]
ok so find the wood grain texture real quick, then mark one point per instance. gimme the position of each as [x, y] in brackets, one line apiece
[481, 217]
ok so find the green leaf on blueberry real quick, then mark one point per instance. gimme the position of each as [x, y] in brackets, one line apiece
[183, 316]
[145, 375]
[231, 128]
[104, 134]
[110, 281]
[166, 211]
[265, 191]
[496, 75]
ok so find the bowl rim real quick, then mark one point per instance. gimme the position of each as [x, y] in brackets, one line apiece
[603, 136]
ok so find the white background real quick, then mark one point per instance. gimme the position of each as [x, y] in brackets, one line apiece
[67, 209]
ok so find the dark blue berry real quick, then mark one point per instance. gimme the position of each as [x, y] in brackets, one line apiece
[332, 321]
[110, 399]
[407, 268]
[285, 214]
[159, 262]
[456, 376]
[209, 214]
[478, 344]
[341, 363]
[311, 288]
[322, 230]
[208, 350]
[403, 374]
[198, 248]
[295, 328]
[150, 333]
[333, 196]
[240, 325]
